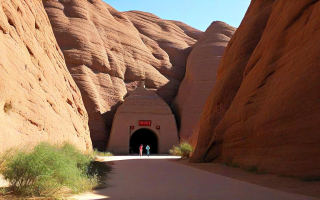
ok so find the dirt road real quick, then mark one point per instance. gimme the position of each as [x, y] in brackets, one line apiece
[153, 179]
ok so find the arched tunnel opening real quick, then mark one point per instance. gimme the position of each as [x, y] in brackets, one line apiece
[144, 137]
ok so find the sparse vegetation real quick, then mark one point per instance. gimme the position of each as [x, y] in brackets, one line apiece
[232, 165]
[5, 158]
[3, 191]
[252, 169]
[183, 150]
[310, 178]
[99, 153]
[52, 171]
[7, 107]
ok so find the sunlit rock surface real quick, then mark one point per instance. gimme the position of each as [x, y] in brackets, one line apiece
[107, 51]
[39, 100]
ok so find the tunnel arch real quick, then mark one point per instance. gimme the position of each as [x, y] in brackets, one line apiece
[145, 137]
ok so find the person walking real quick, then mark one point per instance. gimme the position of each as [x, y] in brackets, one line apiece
[141, 148]
[148, 150]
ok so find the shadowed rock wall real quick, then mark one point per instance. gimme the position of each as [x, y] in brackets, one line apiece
[263, 112]
[200, 77]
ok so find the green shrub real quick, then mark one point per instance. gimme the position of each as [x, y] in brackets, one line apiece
[50, 170]
[99, 170]
[183, 150]
[99, 153]
[176, 151]
[5, 158]
[3, 191]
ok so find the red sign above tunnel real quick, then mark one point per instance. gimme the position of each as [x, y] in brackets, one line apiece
[144, 122]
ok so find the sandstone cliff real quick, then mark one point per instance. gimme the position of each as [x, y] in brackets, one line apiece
[107, 52]
[39, 100]
[200, 77]
[263, 112]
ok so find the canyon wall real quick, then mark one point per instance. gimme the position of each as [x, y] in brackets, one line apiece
[107, 52]
[39, 100]
[263, 113]
[200, 77]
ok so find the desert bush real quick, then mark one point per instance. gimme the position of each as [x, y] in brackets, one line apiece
[5, 158]
[183, 150]
[50, 170]
[99, 170]
[99, 153]
[176, 151]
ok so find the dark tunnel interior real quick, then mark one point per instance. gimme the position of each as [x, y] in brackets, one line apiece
[144, 137]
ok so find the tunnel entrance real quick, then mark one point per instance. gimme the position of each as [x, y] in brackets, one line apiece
[144, 137]
[143, 118]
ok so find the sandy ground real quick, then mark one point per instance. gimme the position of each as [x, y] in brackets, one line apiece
[167, 177]
[3, 183]
[285, 184]
[156, 178]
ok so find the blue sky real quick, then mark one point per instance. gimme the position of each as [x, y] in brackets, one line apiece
[196, 13]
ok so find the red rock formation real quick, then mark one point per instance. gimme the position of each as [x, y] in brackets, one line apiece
[39, 100]
[167, 42]
[263, 111]
[201, 72]
[190, 31]
[105, 50]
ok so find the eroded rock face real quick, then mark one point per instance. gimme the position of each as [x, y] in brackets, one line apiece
[263, 111]
[39, 100]
[190, 31]
[107, 51]
[200, 77]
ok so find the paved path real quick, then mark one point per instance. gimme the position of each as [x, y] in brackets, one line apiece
[153, 179]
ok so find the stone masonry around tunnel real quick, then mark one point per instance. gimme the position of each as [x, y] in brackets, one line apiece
[143, 118]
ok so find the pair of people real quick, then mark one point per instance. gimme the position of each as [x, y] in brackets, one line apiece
[147, 148]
